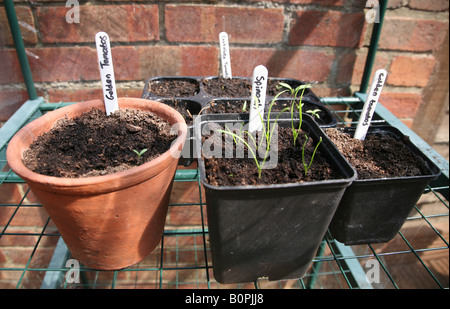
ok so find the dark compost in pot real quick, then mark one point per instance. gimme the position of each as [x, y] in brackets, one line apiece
[392, 174]
[259, 229]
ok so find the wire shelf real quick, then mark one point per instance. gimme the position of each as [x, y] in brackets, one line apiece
[33, 255]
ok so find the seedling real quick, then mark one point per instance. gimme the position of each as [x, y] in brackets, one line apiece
[294, 92]
[267, 134]
[307, 166]
[140, 153]
[314, 113]
[295, 132]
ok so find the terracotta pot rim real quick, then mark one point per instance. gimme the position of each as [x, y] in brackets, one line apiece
[95, 184]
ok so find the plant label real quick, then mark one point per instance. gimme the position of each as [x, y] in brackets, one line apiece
[225, 55]
[105, 65]
[258, 99]
[371, 102]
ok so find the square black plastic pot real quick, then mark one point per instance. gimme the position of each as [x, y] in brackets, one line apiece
[374, 210]
[200, 93]
[274, 230]
[197, 98]
[189, 109]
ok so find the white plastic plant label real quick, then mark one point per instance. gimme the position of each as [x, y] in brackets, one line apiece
[105, 65]
[258, 98]
[371, 102]
[225, 55]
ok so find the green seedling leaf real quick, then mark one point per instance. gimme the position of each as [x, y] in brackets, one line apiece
[140, 153]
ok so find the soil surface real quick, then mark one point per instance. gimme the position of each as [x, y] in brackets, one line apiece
[95, 144]
[243, 171]
[183, 109]
[227, 107]
[226, 87]
[378, 156]
[173, 88]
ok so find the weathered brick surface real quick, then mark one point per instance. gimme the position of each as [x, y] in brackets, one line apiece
[10, 71]
[326, 28]
[402, 105]
[411, 34]
[411, 70]
[283, 63]
[83, 94]
[123, 23]
[63, 63]
[381, 62]
[204, 23]
[14, 99]
[323, 2]
[26, 24]
[429, 5]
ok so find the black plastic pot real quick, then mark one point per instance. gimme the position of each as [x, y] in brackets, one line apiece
[269, 231]
[198, 98]
[200, 94]
[188, 109]
[374, 210]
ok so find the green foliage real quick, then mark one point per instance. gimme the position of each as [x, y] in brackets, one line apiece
[267, 131]
[140, 153]
[294, 93]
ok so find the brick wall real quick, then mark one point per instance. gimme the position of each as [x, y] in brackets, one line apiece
[324, 42]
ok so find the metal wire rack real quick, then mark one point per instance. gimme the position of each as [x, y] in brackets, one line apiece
[33, 255]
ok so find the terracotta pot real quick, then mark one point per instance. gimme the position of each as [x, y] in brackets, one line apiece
[112, 221]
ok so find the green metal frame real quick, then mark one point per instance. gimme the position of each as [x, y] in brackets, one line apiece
[344, 262]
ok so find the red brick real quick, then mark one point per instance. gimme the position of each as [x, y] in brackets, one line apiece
[429, 5]
[123, 23]
[322, 2]
[185, 192]
[158, 61]
[10, 193]
[204, 23]
[408, 122]
[323, 91]
[346, 65]
[74, 95]
[63, 64]
[394, 4]
[126, 63]
[402, 105]
[51, 64]
[199, 61]
[185, 215]
[326, 28]
[85, 94]
[300, 64]
[411, 70]
[10, 101]
[29, 216]
[381, 62]
[411, 34]
[176, 60]
[10, 71]
[26, 25]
